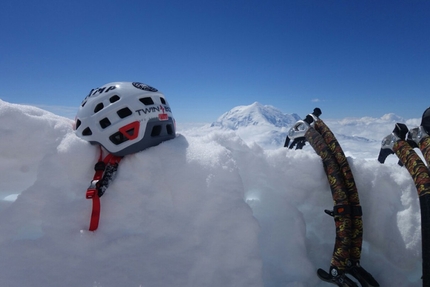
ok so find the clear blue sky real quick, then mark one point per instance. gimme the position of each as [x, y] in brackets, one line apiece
[349, 57]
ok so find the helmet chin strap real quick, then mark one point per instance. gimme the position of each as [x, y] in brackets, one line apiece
[105, 170]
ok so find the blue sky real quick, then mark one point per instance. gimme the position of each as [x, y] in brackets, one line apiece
[349, 57]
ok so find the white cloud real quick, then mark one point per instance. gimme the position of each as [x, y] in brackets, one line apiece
[64, 111]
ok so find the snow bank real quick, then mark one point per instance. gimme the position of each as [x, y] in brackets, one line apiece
[174, 216]
[204, 209]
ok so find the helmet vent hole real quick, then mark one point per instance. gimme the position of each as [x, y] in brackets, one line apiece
[104, 123]
[98, 108]
[123, 113]
[163, 101]
[87, 132]
[147, 101]
[78, 123]
[169, 129]
[130, 132]
[156, 131]
[114, 98]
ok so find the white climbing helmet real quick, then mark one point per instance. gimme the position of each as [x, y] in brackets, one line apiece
[125, 117]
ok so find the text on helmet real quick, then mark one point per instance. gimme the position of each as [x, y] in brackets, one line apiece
[153, 110]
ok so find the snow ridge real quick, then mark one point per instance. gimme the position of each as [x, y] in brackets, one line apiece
[204, 209]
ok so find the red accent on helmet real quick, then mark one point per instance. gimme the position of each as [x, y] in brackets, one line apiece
[131, 131]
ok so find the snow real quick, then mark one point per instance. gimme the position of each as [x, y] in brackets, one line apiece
[216, 206]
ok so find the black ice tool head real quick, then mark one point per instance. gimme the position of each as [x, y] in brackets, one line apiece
[317, 112]
[425, 120]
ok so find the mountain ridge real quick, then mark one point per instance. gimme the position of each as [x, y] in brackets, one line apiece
[268, 126]
[255, 114]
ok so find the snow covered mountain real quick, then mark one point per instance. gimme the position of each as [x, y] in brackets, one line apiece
[264, 125]
[255, 114]
[268, 126]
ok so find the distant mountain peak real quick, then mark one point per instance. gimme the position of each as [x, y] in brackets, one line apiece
[255, 114]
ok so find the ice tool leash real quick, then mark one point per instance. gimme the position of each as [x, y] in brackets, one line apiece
[105, 170]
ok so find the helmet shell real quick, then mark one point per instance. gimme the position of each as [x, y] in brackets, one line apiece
[125, 117]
